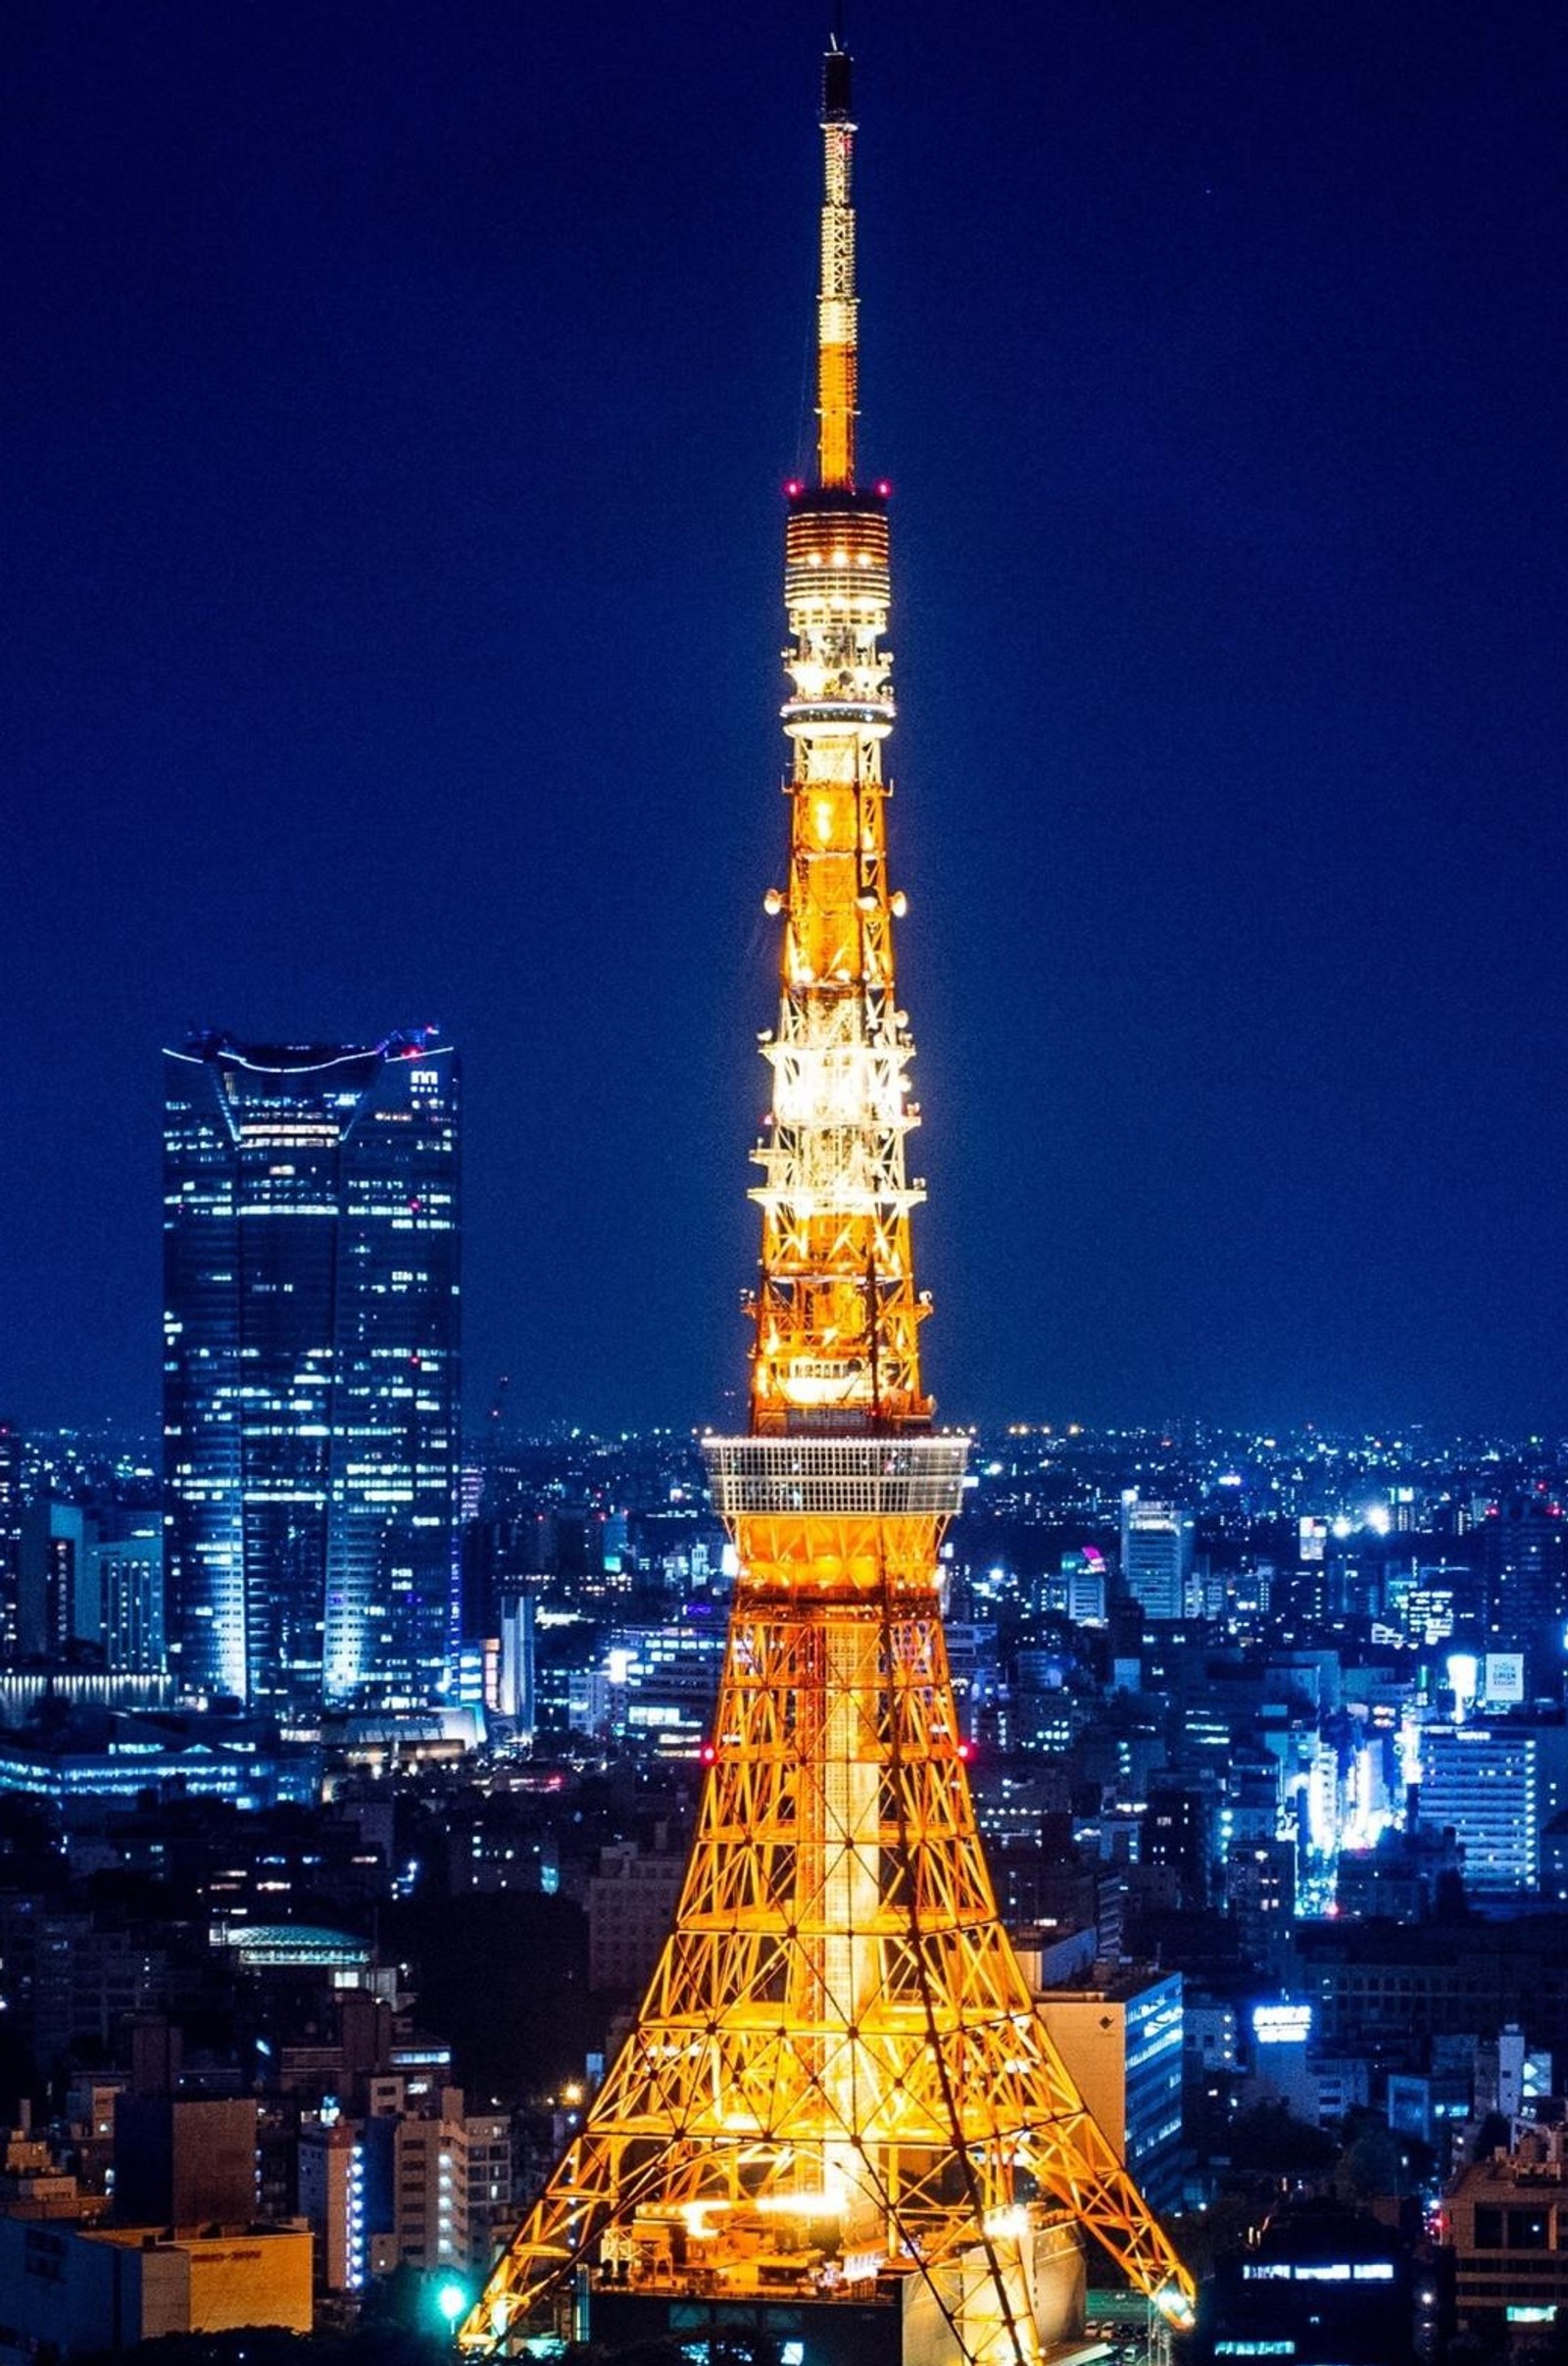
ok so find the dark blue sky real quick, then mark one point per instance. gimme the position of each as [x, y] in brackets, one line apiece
[395, 411]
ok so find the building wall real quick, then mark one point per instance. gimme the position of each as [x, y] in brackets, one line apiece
[430, 2191]
[217, 2283]
[491, 2212]
[450, 2188]
[131, 1603]
[1377, 1994]
[632, 1912]
[65, 1980]
[10, 1538]
[184, 2163]
[57, 1599]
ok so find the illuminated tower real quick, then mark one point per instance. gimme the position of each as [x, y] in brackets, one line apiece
[839, 2100]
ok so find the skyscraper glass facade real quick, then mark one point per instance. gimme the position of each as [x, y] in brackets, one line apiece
[311, 1367]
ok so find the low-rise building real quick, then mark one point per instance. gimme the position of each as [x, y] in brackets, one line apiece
[79, 2289]
[1321, 2284]
[1505, 2220]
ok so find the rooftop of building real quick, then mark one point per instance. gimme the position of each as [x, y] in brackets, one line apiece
[1111, 1983]
[89, 1729]
[218, 1047]
[284, 1944]
[1537, 2157]
[1323, 2229]
[184, 2239]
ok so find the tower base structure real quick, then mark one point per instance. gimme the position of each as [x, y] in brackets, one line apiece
[839, 2096]
[886, 2319]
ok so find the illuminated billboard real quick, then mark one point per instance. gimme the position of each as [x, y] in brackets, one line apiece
[1282, 2024]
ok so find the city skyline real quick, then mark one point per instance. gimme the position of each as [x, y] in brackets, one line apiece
[967, 1896]
[363, 578]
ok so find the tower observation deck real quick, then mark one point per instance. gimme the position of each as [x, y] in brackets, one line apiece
[839, 2106]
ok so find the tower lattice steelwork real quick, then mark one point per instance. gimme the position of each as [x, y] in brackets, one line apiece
[839, 2091]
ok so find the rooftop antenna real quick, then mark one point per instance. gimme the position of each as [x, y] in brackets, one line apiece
[837, 358]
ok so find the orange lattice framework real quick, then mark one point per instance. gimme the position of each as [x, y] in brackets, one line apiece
[839, 2100]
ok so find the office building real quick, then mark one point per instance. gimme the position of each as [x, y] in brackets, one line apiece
[1524, 1567]
[119, 1752]
[632, 1904]
[514, 1692]
[1177, 1830]
[90, 1587]
[128, 1581]
[1084, 1574]
[58, 1606]
[1481, 1782]
[452, 2188]
[1121, 2042]
[1320, 2286]
[1157, 1554]
[311, 1232]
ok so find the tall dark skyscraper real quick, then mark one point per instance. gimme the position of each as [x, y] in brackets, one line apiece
[311, 1365]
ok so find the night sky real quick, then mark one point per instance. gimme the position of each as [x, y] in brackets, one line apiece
[397, 402]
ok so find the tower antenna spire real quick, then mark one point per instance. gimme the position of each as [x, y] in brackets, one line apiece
[837, 340]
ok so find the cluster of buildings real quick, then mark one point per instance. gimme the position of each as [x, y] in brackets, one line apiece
[1267, 1738]
[221, 2108]
[158, 2201]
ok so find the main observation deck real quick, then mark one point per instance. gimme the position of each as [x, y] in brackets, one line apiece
[891, 1477]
